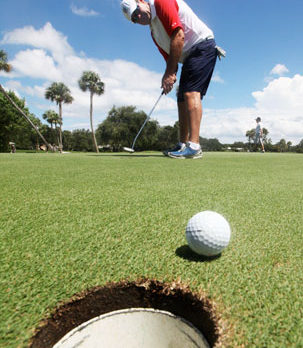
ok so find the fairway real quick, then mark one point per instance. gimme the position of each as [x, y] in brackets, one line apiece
[73, 221]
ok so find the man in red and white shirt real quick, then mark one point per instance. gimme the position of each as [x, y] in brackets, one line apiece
[181, 37]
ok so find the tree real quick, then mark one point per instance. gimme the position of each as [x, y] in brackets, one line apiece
[92, 82]
[265, 134]
[52, 118]
[214, 145]
[299, 147]
[122, 125]
[167, 136]
[5, 66]
[59, 93]
[68, 140]
[82, 140]
[282, 146]
[15, 128]
[48, 116]
[289, 145]
[211, 144]
[251, 135]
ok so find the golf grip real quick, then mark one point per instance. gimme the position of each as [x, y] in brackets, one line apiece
[147, 118]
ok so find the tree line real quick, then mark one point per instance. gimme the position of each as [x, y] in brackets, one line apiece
[59, 93]
[116, 131]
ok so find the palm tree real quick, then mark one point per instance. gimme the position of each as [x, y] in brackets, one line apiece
[5, 66]
[52, 118]
[265, 134]
[3, 62]
[57, 121]
[59, 93]
[48, 116]
[92, 82]
[250, 134]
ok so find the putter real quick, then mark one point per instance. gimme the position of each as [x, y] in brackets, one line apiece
[131, 149]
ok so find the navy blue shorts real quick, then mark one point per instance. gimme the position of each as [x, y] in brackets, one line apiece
[198, 68]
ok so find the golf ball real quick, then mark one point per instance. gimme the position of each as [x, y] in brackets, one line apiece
[208, 233]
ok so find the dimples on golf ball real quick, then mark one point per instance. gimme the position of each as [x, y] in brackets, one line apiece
[207, 233]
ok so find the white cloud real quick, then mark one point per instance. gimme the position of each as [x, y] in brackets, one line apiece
[46, 38]
[279, 69]
[227, 125]
[280, 105]
[125, 82]
[12, 86]
[83, 11]
[217, 78]
[36, 64]
[51, 58]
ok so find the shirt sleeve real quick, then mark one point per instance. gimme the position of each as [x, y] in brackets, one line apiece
[168, 13]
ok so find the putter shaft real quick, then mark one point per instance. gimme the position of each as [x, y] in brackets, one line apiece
[147, 118]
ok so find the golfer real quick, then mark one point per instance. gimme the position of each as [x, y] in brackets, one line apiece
[181, 37]
[259, 134]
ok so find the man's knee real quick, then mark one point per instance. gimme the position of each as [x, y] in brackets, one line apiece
[193, 101]
[191, 95]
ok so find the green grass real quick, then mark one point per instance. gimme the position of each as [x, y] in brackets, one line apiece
[69, 222]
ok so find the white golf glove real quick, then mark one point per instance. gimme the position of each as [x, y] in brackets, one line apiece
[221, 53]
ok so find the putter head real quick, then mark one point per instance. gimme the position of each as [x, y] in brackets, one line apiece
[128, 149]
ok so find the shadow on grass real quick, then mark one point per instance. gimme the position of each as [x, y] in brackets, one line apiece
[186, 253]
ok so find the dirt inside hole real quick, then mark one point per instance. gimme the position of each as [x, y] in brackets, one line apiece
[172, 297]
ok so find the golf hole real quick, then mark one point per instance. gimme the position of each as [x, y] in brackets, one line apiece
[138, 327]
[143, 313]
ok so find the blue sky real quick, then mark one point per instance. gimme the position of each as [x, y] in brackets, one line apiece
[262, 75]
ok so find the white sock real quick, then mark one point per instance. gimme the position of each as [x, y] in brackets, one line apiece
[194, 146]
[180, 144]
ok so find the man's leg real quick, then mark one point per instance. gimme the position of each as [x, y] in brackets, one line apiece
[262, 144]
[193, 108]
[190, 116]
[183, 129]
[256, 140]
[183, 122]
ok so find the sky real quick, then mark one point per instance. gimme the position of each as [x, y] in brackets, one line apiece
[262, 75]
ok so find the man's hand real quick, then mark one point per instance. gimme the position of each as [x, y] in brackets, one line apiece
[168, 81]
[176, 47]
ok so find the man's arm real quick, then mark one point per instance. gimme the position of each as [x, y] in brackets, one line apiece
[176, 47]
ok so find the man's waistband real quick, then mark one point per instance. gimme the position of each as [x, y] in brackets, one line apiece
[186, 54]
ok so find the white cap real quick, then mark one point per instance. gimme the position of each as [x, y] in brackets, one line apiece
[128, 7]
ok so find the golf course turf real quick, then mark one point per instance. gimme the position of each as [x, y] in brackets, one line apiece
[73, 222]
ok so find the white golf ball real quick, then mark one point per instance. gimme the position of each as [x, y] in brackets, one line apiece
[208, 233]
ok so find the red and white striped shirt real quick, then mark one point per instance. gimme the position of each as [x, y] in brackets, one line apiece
[167, 16]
